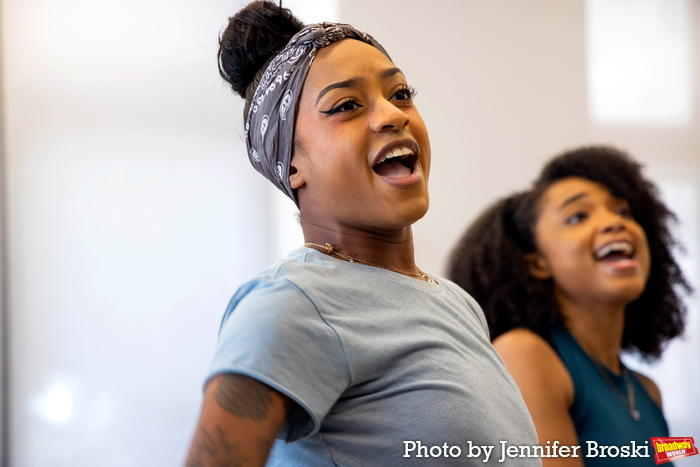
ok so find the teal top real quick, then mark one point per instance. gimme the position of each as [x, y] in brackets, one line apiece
[599, 415]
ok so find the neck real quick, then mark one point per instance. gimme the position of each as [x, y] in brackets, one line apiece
[391, 248]
[597, 327]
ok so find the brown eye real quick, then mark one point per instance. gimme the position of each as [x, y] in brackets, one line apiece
[407, 93]
[347, 105]
[624, 211]
[576, 218]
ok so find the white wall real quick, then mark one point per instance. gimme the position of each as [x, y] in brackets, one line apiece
[133, 213]
[132, 217]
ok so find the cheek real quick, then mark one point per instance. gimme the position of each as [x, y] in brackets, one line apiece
[645, 257]
[567, 259]
[421, 134]
[339, 171]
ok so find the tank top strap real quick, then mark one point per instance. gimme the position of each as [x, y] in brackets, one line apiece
[600, 410]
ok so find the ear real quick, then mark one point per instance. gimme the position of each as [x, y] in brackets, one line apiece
[296, 171]
[538, 266]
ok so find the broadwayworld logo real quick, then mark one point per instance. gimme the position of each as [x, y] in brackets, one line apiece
[668, 449]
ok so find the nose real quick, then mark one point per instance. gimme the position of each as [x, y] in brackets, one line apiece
[613, 223]
[388, 117]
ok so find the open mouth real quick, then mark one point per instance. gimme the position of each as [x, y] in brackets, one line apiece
[397, 163]
[615, 251]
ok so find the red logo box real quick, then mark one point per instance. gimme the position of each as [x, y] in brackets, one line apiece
[668, 449]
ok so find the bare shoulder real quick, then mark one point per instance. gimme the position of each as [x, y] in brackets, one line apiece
[531, 360]
[545, 385]
[520, 339]
[524, 347]
[650, 387]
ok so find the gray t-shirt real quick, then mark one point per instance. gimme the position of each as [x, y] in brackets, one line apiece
[377, 362]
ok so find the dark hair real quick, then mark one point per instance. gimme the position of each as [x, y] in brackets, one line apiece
[253, 37]
[489, 260]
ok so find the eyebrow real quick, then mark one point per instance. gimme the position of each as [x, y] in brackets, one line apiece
[389, 72]
[571, 200]
[341, 84]
[348, 83]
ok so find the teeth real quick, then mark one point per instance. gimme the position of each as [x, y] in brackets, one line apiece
[624, 247]
[397, 152]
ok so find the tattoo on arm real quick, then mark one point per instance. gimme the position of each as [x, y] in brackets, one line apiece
[265, 443]
[208, 452]
[244, 397]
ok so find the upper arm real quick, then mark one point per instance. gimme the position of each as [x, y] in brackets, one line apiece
[239, 421]
[546, 387]
[277, 336]
[650, 387]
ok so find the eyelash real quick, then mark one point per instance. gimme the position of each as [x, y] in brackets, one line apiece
[338, 108]
[581, 216]
[410, 90]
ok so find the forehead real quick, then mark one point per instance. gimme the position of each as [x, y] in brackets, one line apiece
[567, 188]
[347, 58]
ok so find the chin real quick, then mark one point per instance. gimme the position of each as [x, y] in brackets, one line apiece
[413, 211]
[625, 294]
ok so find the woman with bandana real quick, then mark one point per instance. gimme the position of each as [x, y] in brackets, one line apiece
[346, 351]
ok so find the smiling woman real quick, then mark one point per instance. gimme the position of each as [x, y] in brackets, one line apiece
[570, 273]
[345, 351]
[363, 153]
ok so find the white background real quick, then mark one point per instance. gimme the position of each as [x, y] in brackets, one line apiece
[132, 213]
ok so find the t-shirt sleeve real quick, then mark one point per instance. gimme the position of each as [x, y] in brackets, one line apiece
[274, 333]
[479, 312]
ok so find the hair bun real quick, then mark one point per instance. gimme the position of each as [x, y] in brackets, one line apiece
[253, 36]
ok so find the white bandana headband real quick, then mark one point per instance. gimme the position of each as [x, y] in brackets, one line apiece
[269, 128]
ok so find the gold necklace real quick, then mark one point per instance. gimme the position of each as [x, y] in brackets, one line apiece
[328, 248]
[628, 403]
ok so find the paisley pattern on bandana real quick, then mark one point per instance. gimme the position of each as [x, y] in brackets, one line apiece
[271, 118]
[263, 127]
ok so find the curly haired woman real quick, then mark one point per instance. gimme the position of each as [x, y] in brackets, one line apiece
[570, 273]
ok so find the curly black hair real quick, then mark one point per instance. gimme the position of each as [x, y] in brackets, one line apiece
[489, 260]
